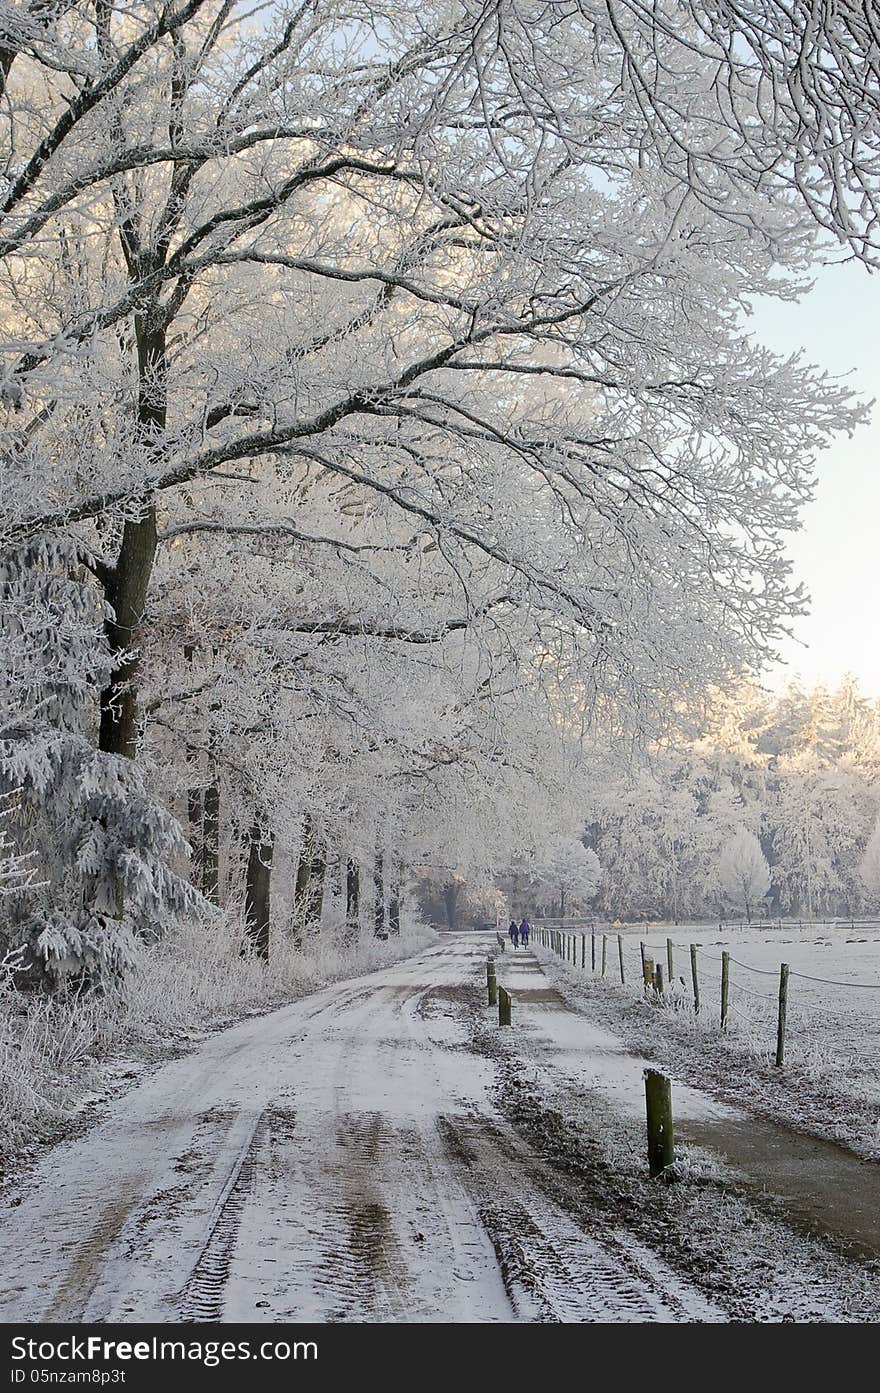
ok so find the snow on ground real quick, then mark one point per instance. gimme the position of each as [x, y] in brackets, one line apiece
[833, 1016]
[62, 1058]
[336, 1160]
[381, 1151]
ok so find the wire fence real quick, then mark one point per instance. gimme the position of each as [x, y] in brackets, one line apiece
[780, 1013]
[591, 921]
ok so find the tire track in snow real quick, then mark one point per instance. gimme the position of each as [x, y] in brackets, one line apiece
[363, 1270]
[120, 1238]
[82, 1275]
[203, 1295]
[552, 1269]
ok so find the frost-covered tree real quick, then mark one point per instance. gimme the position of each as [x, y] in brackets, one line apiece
[799, 769]
[467, 277]
[17, 869]
[568, 876]
[102, 851]
[246, 183]
[869, 867]
[743, 872]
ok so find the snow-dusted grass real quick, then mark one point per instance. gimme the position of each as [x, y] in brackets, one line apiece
[830, 1084]
[199, 979]
[47, 1056]
[56, 1052]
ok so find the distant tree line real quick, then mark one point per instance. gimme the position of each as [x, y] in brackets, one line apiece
[796, 774]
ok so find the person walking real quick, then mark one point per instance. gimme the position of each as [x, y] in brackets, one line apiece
[525, 929]
[514, 933]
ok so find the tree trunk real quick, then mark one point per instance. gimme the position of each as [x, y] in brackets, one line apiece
[126, 593]
[317, 877]
[127, 584]
[211, 841]
[352, 897]
[308, 893]
[379, 887]
[394, 909]
[303, 876]
[196, 836]
[256, 901]
[194, 808]
[450, 899]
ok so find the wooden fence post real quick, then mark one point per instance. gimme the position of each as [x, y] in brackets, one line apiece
[725, 986]
[491, 982]
[604, 952]
[669, 961]
[503, 1007]
[696, 979]
[583, 952]
[658, 979]
[620, 956]
[783, 1008]
[661, 1140]
[592, 952]
[642, 951]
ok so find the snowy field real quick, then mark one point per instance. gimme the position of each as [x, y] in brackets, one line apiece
[832, 1044]
[833, 1013]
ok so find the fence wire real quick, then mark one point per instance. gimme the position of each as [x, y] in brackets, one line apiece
[831, 1023]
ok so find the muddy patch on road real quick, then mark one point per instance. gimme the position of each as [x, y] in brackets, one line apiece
[447, 1000]
[370, 1235]
[82, 1275]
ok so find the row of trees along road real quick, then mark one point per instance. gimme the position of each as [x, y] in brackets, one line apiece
[377, 417]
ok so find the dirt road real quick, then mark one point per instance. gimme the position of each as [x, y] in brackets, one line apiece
[342, 1159]
[337, 1160]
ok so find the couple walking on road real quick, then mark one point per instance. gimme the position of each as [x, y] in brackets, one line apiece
[519, 933]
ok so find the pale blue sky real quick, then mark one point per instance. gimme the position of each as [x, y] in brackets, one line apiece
[836, 554]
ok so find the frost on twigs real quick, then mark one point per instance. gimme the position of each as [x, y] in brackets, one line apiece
[378, 423]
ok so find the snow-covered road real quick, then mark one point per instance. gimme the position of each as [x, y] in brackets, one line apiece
[337, 1160]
